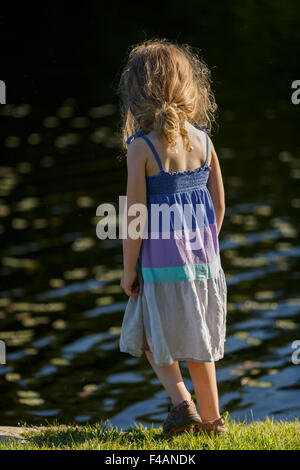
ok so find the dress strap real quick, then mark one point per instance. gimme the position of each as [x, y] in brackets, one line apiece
[206, 130]
[207, 149]
[203, 128]
[136, 134]
[140, 133]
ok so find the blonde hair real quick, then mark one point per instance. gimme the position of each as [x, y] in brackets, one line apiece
[162, 86]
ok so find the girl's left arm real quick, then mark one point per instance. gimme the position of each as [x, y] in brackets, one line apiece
[136, 194]
[216, 187]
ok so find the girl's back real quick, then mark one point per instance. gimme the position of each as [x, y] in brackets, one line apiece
[178, 159]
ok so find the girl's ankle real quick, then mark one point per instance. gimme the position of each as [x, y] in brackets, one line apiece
[210, 419]
[180, 400]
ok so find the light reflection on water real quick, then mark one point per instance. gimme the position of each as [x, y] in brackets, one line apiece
[61, 303]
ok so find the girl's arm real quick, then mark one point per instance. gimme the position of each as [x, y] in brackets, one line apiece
[216, 188]
[136, 194]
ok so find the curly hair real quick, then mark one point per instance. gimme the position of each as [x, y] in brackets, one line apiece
[163, 85]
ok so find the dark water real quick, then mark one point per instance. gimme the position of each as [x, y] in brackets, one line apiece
[60, 299]
[61, 303]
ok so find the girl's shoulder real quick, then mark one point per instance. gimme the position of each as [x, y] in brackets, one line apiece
[136, 153]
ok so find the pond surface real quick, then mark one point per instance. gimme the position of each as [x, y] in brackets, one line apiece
[61, 303]
[61, 306]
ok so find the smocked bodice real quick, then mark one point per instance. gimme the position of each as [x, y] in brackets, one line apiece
[174, 182]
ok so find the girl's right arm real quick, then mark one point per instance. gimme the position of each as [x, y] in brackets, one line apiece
[136, 194]
[216, 187]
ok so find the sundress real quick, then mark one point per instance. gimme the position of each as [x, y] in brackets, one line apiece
[181, 309]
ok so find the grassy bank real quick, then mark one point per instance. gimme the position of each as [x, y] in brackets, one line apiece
[256, 435]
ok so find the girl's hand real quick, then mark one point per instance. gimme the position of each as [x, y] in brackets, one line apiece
[130, 284]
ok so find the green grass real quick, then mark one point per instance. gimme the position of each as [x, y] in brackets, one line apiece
[257, 435]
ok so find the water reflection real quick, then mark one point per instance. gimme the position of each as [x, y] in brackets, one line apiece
[61, 302]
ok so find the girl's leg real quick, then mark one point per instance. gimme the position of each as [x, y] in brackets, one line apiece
[203, 375]
[171, 379]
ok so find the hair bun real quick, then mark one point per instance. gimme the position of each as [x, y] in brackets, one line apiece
[166, 106]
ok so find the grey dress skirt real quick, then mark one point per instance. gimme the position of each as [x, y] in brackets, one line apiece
[180, 312]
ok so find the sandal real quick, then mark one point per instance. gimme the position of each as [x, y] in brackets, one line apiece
[216, 426]
[181, 417]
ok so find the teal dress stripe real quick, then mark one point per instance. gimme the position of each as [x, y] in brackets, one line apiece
[177, 273]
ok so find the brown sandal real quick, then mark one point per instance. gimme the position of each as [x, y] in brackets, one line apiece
[181, 417]
[216, 426]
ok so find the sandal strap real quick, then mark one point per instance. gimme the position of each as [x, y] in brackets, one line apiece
[215, 422]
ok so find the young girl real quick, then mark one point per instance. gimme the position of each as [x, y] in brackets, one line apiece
[178, 294]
